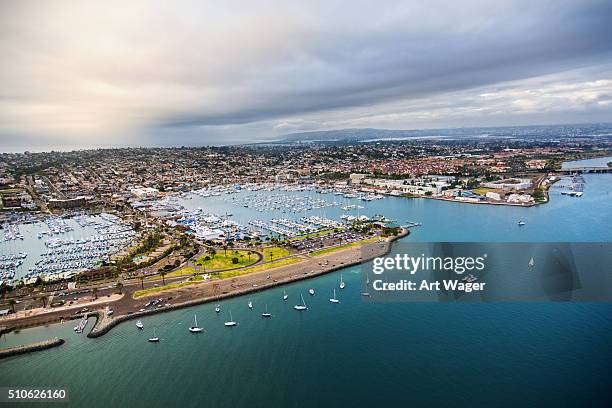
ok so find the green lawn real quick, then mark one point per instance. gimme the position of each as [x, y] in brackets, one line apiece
[157, 289]
[184, 271]
[273, 253]
[221, 260]
[482, 190]
[258, 268]
[338, 248]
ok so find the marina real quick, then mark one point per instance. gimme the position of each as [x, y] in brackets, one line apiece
[56, 248]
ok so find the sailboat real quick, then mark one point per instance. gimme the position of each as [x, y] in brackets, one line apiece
[154, 339]
[231, 322]
[334, 299]
[250, 304]
[217, 309]
[139, 325]
[285, 295]
[521, 223]
[266, 314]
[531, 262]
[341, 282]
[302, 306]
[366, 293]
[195, 328]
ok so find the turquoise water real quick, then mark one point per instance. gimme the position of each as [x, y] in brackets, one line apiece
[359, 353]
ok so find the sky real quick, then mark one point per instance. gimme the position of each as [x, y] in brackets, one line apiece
[78, 74]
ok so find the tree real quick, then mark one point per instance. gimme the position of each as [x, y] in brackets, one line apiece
[225, 249]
[94, 292]
[119, 287]
[12, 303]
[142, 282]
[163, 275]
[44, 299]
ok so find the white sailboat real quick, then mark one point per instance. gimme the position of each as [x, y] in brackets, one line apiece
[285, 295]
[531, 262]
[266, 314]
[218, 309]
[231, 322]
[334, 299]
[302, 306]
[250, 304]
[366, 293]
[195, 328]
[139, 325]
[342, 285]
[154, 339]
[521, 223]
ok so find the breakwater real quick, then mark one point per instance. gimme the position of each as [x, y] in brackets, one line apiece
[29, 348]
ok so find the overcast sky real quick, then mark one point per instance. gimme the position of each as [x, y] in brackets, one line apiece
[80, 74]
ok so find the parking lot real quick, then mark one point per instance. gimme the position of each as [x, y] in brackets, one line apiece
[334, 238]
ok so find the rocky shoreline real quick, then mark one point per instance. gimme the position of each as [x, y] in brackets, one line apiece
[30, 348]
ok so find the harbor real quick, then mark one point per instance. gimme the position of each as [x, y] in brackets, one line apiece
[55, 248]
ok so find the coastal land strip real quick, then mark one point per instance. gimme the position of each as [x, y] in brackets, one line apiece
[127, 307]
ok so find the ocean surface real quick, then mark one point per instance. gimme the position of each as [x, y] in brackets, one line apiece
[357, 353]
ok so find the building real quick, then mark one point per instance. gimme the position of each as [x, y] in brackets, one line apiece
[144, 192]
[510, 184]
[356, 178]
[67, 203]
[493, 195]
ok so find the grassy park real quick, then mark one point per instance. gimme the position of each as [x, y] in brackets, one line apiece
[222, 259]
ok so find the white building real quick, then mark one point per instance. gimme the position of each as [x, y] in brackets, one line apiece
[510, 184]
[493, 195]
[144, 192]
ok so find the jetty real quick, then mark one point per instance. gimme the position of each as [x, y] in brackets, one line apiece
[28, 348]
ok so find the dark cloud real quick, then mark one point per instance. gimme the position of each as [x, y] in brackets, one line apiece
[207, 71]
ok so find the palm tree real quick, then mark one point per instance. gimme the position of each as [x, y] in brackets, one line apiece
[163, 275]
[12, 303]
[44, 299]
[94, 292]
[142, 282]
[119, 287]
[225, 249]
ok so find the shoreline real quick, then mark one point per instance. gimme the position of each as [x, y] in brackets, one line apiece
[238, 286]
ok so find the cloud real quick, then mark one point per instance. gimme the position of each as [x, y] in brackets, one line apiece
[87, 73]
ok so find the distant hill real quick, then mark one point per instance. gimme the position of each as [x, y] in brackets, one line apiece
[360, 135]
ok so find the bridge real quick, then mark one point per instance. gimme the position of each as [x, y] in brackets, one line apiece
[586, 169]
